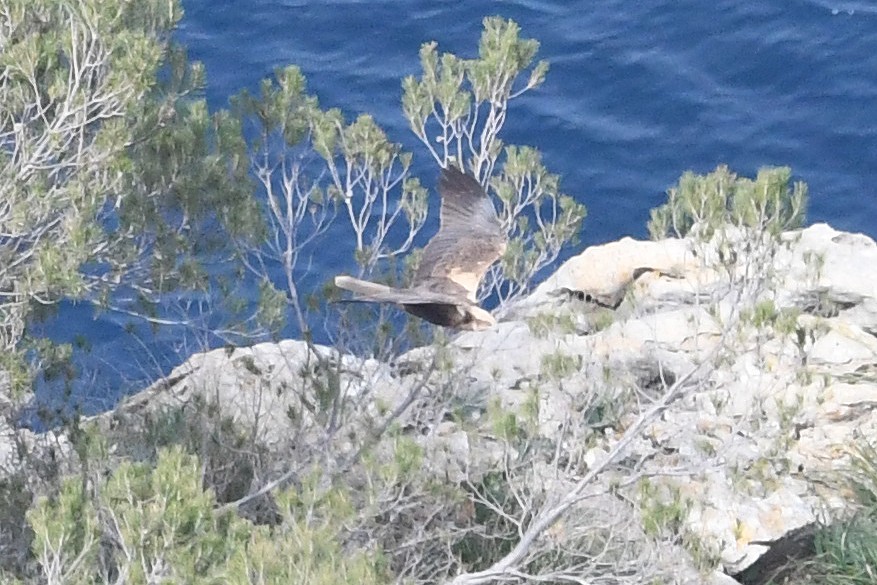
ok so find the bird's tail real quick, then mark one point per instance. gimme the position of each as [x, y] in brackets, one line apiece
[364, 290]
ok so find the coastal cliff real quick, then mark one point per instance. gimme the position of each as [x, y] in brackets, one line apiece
[684, 402]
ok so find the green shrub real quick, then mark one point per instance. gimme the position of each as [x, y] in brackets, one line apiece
[847, 551]
[708, 202]
[148, 524]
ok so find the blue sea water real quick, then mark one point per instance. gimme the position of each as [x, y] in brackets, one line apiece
[637, 93]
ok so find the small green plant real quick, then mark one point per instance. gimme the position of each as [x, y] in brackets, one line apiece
[663, 509]
[530, 407]
[543, 325]
[765, 314]
[786, 322]
[762, 315]
[706, 446]
[505, 423]
[761, 474]
[706, 556]
[602, 319]
[407, 458]
[560, 365]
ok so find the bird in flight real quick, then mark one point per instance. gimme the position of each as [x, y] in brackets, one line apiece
[470, 239]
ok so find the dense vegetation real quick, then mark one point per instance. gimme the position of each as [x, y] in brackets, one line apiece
[120, 188]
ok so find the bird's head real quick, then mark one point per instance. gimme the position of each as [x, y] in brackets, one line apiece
[477, 319]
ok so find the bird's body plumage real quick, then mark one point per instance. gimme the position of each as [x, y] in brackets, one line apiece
[444, 290]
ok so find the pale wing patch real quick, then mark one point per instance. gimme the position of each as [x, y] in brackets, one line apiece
[466, 279]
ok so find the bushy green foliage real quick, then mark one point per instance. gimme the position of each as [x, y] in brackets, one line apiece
[462, 97]
[708, 202]
[113, 175]
[72, 75]
[145, 524]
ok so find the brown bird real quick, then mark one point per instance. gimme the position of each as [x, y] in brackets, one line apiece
[470, 239]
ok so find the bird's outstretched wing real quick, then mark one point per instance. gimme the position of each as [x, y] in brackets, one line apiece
[470, 238]
[372, 292]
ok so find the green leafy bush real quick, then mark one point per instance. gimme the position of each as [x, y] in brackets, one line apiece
[709, 202]
[149, 524]
[112, 174]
